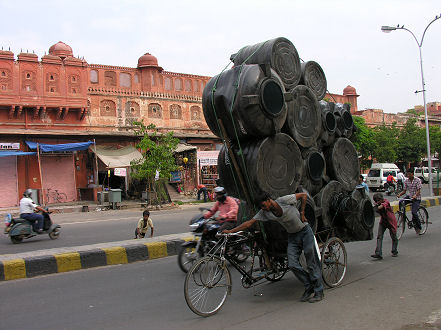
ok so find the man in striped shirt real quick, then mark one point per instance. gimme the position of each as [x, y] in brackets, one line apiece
[412, 189]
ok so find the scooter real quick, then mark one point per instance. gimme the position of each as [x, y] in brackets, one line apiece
[19, 228]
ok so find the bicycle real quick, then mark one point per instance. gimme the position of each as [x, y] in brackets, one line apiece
[208, 282]
[57, 197]
[403, 219]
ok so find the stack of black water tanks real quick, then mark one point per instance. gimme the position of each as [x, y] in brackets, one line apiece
[287, 139]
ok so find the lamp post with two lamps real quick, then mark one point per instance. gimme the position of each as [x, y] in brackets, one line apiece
[388, 29]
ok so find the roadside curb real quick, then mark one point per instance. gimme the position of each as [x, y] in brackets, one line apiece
[425, 201]
[43, 262]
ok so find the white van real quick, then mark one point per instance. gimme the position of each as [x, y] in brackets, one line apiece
[378, 173]
[423, 173]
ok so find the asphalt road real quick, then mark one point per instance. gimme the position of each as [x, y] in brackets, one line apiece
[110, 226]
[105, 226]
[394, 293]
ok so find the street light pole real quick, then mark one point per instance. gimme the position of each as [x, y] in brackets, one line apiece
[388, 29]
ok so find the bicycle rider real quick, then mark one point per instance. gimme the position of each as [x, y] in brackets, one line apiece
[300, 237]
[412, 189]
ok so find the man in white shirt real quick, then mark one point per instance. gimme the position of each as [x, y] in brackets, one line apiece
[27, 207]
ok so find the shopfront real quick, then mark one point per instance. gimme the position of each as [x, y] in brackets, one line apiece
[9, 152]
[207, 167]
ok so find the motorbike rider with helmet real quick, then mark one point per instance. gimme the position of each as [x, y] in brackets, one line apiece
[391, 180]
[27, 208]
[227, 207]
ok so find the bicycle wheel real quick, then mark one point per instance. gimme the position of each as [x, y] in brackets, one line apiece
[334, 262]
[401, 224]
[207, 285]
[186, 258]
[61, 198]
[424, 219]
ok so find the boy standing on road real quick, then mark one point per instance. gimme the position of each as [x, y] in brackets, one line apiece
[300, 238]
[143, 225]
[387, 221]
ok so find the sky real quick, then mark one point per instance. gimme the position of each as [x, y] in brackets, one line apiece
[198, 37]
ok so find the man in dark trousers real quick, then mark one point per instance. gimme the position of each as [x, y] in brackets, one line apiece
[300, 238]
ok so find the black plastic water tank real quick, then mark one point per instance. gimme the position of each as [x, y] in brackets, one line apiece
[280, 53]
[314, 77]
[249, 99]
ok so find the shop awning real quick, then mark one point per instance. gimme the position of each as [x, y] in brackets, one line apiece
[113, 157]
[184, 147]
[15, 153]
[59, 147]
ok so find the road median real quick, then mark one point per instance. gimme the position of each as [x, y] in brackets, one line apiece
[59, 260]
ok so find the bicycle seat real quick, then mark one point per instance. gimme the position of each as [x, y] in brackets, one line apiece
[19, 220]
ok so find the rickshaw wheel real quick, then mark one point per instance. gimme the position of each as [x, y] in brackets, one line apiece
[334, 262]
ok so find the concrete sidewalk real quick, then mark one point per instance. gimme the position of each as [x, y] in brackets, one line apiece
[43, 262]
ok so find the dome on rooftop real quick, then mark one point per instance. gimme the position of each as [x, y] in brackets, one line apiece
[61, 49]
[349, 90]
[147, 60]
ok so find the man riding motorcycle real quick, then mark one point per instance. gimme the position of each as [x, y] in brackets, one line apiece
[391, 180]
[227, 207]
[27, 207]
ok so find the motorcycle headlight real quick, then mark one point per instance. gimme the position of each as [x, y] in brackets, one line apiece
[194, 226]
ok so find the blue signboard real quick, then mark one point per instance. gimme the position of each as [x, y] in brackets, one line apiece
[175, 176]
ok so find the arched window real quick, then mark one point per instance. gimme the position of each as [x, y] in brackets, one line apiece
[167, 83]
[175, 111]
[178, 84]
[107, 108]
[94, 76]
[195, 112]
[155, 110]
[187, 85]
[125, 80]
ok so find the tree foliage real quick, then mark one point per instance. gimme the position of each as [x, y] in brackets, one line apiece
[435, 139]
[157, 153]
[386, 143]
[364, 142]
[412, 146]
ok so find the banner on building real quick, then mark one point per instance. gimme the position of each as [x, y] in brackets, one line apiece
[120, 171]
[206, 158]
[9, 146]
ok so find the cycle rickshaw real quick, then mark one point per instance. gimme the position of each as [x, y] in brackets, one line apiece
[208, 282]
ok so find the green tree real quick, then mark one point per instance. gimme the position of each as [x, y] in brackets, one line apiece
[435, 139]
[364, 142]
[412, 145]
[386, 143]
[157, 155]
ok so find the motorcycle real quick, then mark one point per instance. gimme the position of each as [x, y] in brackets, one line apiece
[205, 231]
[389, 188]
[18, 228]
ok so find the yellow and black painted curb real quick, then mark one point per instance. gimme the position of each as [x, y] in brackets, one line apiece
[27, 267]
[426, 202]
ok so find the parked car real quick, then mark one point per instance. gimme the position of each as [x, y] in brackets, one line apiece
[378, 174]
[423, 173]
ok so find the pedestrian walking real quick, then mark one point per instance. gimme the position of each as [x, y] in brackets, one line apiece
[387, 221]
